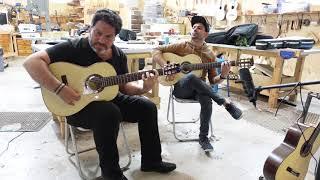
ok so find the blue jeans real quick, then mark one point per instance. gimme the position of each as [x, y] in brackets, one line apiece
[193, 87]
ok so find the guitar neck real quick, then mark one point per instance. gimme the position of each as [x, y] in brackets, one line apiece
[125, 78]
[314, 134]
[209, 65]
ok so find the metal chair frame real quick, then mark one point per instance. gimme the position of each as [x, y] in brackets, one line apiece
[171, 100]
[69, 130]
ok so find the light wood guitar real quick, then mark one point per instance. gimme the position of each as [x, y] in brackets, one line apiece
[95, 83]
[221, 12]
[232, 13]
[290, 161]
[192, 64]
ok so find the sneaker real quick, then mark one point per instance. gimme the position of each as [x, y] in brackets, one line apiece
[162, 167]
[205, 144]
[234, 111]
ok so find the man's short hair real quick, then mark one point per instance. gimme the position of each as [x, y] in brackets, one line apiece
[108, 16]
[202, 20]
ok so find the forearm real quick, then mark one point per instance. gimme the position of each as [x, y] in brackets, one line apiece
[218, 79]
[158, 58]
[132, 88]
[39, 71]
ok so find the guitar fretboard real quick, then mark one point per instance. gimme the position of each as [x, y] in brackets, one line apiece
[209, 65]
[124, 78]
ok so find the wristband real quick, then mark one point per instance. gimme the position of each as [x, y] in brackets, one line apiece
[221, 77]
[59, 88]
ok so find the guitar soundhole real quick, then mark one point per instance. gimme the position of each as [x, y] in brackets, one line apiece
[185, 68]
[94, 83]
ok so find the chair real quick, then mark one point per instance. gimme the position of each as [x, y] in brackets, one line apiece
[171, 102]
[69, 130]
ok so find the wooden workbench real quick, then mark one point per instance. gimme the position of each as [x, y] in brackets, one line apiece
[273, 94]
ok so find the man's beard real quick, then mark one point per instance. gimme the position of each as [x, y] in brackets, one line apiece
[102, 47]
[93, 45]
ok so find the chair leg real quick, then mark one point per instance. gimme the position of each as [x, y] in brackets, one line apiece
[211, 137]
[168, 109]
[77, 162]
[126, 167]
[174, 126]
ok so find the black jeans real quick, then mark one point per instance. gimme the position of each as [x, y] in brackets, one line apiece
[103, 119]
[193, 87]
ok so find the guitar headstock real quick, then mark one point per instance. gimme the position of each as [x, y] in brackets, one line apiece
[171, 69]
[245, 63]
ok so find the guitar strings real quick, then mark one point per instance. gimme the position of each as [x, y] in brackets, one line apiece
[298, 119]
[305, 139]
[99, 79]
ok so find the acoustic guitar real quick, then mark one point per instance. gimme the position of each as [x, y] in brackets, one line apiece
[193, 64]
[95, 83]
[221, 12]
[232, 13]
[290, 161]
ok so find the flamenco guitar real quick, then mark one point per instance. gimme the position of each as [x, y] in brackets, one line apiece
[95, 83]
[193, 64]
[290, 161]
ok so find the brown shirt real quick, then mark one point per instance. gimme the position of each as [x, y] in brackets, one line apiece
[185, 48]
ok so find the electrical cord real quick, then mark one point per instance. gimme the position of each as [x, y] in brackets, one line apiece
[8, 144]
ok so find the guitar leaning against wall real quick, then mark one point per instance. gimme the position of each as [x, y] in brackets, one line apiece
[290, 160]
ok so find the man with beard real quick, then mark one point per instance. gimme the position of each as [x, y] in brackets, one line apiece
[192, 87]
[103, 117]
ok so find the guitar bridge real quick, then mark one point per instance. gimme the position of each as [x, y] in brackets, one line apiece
[295, 173]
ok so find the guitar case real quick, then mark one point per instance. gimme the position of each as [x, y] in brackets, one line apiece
[294, 43]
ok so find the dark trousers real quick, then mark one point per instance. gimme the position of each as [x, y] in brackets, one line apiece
[103, 119]
[193, 87]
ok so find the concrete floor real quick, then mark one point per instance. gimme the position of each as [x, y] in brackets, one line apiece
[240, 147]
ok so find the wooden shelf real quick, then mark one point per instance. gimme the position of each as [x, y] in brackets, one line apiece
[279, 14]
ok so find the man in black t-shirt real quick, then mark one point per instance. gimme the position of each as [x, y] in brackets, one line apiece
[103, 117]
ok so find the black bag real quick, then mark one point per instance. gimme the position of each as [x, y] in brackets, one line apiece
[241, 35]
[216, 38]
[126, 35]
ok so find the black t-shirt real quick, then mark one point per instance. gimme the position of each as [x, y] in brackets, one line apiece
[78, 51]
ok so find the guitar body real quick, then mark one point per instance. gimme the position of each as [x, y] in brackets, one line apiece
[76, 76]
[172, 59]
[220, 12]
[286, 161]
[232, 13]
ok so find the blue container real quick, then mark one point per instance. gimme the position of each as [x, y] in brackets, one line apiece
[166, 40]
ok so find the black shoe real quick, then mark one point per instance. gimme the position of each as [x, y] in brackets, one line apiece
[114, 177]
[162, 167]
[205, 144]
[234, 111]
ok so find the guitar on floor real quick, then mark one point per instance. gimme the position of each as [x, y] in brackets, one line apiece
[95, 83]
[290, 160]
[192, 64]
